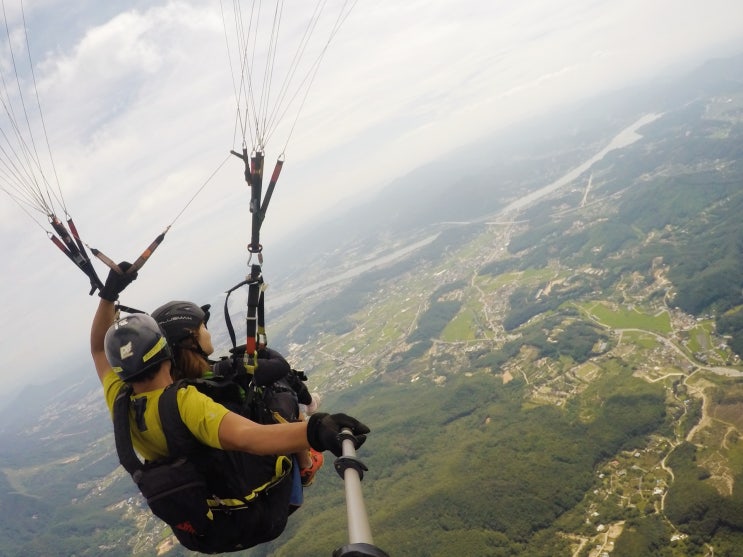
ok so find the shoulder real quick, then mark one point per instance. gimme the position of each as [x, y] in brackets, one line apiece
[201, 415]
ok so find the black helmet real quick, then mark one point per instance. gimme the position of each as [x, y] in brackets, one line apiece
[136, 344]
[178, 319]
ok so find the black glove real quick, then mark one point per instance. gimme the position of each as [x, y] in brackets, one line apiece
[115, 282]
[303, 395]
[323, 432]
[295, 380]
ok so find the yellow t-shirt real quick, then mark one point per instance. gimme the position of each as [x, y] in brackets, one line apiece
[201, 415]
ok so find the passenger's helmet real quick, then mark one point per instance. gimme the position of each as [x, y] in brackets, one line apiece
[179, 318]
[135, 344]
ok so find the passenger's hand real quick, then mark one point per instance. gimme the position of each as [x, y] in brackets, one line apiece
[323, 432]
[296, 381]
[117, 282]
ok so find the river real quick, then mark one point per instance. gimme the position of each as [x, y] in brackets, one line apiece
[624, 138]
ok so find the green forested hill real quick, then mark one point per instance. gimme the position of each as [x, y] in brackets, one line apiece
[562, 380]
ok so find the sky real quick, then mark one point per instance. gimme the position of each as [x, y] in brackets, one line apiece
[140, 109]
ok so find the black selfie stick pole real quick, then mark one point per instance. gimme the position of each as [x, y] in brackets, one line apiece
[351, 469]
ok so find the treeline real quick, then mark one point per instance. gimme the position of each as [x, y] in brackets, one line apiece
[434, 319]
[731, 324]
[526, 302]
[556, 336]
[500, 266]
[430, 324]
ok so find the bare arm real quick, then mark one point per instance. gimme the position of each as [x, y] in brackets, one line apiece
[240, 434]
[103, 319]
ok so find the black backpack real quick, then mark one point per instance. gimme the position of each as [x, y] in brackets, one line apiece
[215, 501]
[277, 398]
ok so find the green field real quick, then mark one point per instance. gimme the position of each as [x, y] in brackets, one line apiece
[629, 318]
[641, 339]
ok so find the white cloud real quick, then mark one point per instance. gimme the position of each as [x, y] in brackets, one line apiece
[139, 105]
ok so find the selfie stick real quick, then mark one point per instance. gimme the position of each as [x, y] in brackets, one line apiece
[351, 469]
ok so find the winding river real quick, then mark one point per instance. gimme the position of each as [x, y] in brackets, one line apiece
[624, 138]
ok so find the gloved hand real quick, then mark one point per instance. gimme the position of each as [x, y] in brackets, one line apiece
[323, 432]
[116, 283]
[295, 380]
[303, 395]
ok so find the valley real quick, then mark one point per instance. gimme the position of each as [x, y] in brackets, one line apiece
[560, 377]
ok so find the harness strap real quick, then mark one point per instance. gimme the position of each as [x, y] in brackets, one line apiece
[180, 441]
[179, 438]
[255, 321]
[127, 309]
[282, 467]
[227, 319]
[122, 434]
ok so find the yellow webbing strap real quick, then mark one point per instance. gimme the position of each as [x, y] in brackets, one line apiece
[282, 468]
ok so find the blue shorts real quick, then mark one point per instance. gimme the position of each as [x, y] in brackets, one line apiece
[297, 495]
